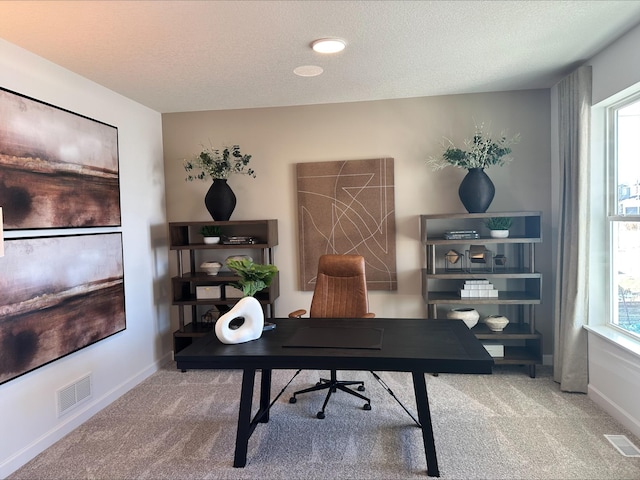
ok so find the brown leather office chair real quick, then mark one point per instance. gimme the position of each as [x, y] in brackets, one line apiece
[340, 292]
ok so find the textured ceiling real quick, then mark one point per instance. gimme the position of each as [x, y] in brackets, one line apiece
[208, 55]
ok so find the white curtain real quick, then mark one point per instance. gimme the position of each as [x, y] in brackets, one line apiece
[570, 367]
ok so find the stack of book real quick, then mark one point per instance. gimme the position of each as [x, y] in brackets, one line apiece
[461, 234]
[239, 240]
[478, 289]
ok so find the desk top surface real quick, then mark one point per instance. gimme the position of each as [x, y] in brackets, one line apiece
[443, 346]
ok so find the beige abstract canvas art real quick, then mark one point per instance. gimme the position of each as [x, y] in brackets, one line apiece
[347, 207]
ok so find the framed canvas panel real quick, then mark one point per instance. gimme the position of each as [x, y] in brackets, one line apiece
[58, 295]
[347, 207]
[58, 169]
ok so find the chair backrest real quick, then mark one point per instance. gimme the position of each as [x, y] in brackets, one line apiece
[341, 288]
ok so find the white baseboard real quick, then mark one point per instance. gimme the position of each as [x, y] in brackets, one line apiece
[613, 409]
[73, 421]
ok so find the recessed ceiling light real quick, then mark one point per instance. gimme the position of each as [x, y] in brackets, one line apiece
[328, 45]
[308, 71]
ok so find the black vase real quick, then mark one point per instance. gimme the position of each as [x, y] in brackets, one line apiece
[476, 191]
[220, 200]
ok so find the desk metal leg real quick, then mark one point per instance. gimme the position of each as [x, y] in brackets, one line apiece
[244, 417]
[265, 395]
[422, 403]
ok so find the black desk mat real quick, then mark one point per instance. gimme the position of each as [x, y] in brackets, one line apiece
[368, 338]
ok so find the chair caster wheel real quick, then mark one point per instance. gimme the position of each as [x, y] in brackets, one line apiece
[318, 384]
[320, 415]
[367, 406]
[361, 388]
[293, 400]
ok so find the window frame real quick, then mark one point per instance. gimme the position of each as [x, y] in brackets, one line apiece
[612, 217]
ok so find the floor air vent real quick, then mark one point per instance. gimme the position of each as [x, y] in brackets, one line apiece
[72, 395]
[623, 445]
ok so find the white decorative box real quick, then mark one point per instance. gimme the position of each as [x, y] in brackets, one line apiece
[208, 293]
[232, 292]
[496, 350]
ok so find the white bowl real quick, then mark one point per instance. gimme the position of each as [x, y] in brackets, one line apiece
[211, 240]
[469, 316]
[496, 323]
[211, 268]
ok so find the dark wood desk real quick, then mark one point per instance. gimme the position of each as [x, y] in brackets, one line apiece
[408, 345]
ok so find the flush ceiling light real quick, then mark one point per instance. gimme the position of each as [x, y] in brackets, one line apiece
[308, 71]
[328, 45]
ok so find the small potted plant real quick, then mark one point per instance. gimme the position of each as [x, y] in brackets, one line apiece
[499, 226]
[211, 234]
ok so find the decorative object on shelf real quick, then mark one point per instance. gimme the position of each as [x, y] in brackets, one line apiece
[219, 165]
[211, 268]
[220, 200]
[500, 261]
[469, 316]
[478, 289]
[208, 292]
[211, 234]
[476, 191]
[211, 315]
[499, 226]
[496, 323]
[461, 234]
[250, 310]
[239, 240]
[479, 259]
[453, 261]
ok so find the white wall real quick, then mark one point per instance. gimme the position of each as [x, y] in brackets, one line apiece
[408, 130]
[28, 411]
[614, 369]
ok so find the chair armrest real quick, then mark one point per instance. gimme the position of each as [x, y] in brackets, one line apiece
[369, 315]
[297, 313]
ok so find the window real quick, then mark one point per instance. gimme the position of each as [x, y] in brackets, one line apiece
[624, 214]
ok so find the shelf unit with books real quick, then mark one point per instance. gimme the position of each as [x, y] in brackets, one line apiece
[509, 265]
[186, 241]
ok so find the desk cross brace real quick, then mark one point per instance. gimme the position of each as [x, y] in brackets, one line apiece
[386, 387]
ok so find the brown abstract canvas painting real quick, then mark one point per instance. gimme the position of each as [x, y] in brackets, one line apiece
[58, 295]
[57, 169]
[347, 207]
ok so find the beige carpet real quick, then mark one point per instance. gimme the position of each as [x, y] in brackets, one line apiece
[502, 426]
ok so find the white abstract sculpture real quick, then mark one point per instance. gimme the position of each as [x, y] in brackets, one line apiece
[250, 309]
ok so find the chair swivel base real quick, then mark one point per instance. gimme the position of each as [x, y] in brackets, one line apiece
[332, 386]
